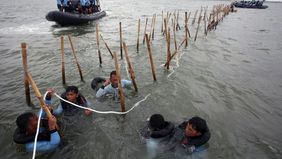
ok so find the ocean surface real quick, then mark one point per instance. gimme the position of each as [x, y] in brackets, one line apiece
[232, 78]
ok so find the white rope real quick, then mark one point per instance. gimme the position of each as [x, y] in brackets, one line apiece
[104, 112]
[37, 130]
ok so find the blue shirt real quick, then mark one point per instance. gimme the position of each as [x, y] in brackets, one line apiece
[42, 146]
[111, 90]
[85, 2]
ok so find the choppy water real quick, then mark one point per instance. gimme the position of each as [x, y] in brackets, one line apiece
[232, 78]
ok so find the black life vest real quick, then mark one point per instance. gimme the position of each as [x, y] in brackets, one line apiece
[71, 110]
[20, 136]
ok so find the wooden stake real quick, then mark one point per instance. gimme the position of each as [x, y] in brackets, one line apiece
[165, 27]
[168, 48]
[145, 30]
[170, 58]
[63, 60]
[151, 29]
[188, 25]
[26, 83]
[120, 35]
[195, 15]
[76, 61]
[162, 28]
[131, 71]
[177, 22]
[138, 34]
[153, 33]
[150, 56]
[186, 29]
[38, 95]
[107, 46]
[197, 31]
[120, 91]
[174, 36]
[98, 44]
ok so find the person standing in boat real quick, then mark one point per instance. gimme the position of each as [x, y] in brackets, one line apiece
[110, 86]
[60, 5]
[85, 4]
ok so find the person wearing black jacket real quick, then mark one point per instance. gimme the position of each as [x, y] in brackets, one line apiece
[190, 134]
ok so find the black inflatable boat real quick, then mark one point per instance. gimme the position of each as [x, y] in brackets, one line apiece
[67, 18]
[250, 4]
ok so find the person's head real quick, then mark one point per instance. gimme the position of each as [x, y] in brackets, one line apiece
[72, 93]
[114, 79]
[156, 122]
[27, 122]
[196, 126]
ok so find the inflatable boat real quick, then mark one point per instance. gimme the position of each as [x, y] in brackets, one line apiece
[250, 4]
[68, 18]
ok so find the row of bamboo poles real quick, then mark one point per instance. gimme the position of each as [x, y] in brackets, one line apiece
[169, 25]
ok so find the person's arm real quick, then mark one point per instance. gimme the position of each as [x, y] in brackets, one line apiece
[103, 91]
[87, 112]
[126, 83]
[45, 145]
[54, 138]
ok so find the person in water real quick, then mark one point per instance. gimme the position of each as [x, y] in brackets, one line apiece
[157, 127]
[48, 137]
[190, 134]
[72, 95]
[110, 86]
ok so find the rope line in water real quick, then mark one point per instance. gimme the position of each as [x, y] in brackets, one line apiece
[37, 130]
[104, 112]
[96, 111]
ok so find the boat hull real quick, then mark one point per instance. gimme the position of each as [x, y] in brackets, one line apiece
[66, 18]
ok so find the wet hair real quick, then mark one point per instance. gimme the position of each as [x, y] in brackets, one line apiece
[113, 73]
[156, 121]
[23, 120]
[198, 124]
[72, 89]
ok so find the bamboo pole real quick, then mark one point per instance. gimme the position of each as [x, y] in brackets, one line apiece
[174, 36]
[200, 16]
[120, 40]
[188, 25]
[197, 31]
[150, 57]
[138, 34]
[170, 58]
[162, 28]
[26, 83]
[151, 29]
[177, 22]
[38, 95]
[186, 29]
[195, 15]
[145, 30]
[168, 48]
[131, 71]
[63, 60]
[165, 27]
[76, 61]
[121, 95]
[205, 21]
[108, 48]
[98, 44]
[153, 33]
